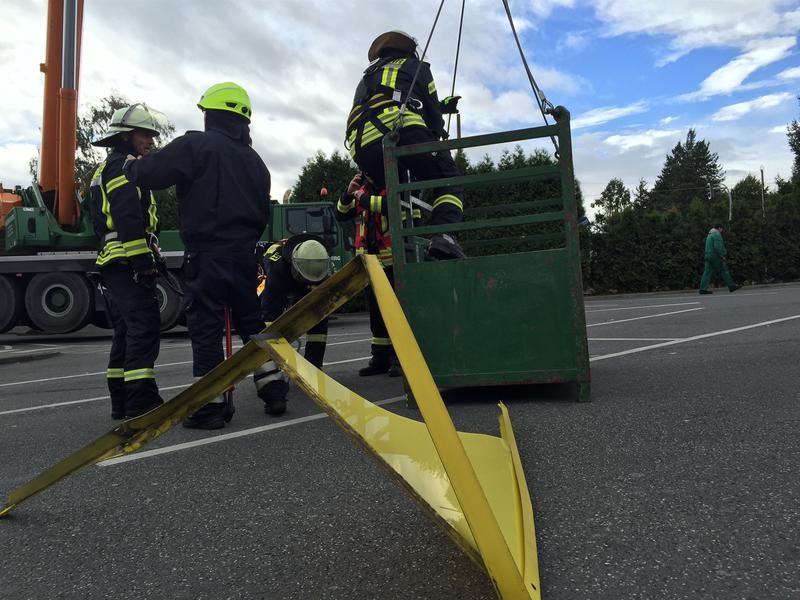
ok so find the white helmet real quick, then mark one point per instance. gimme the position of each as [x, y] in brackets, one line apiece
[310, 262]
[128, 118]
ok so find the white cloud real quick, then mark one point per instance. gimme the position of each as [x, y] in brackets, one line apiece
[792, 73]
[736, 111]
[598, 116]
[758, 54]
[573, 41]
[12, 170]
[667, 120]
[645, 139]
[690, 24]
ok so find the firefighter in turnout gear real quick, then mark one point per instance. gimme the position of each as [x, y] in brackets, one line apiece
[384, 87]
[369, 211]
[292, 268]
[124, 216]
[223, 194]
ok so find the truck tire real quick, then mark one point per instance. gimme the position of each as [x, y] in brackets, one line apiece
[12, 300]
[59, 302]
[170, 305]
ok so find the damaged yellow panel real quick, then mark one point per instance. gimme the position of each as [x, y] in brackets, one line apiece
[406, 448]
[471, 483]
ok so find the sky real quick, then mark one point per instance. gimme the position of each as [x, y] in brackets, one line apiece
[635, 75]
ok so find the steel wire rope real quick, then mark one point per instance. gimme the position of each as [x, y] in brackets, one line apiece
[541, 100]
[455, 67]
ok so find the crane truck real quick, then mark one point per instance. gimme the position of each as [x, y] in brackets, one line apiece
[47, 242]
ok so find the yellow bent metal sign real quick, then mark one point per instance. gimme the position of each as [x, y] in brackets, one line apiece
[471, 484]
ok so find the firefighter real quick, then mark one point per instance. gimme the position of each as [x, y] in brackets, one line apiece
[384, 87]
[292, 268]
[369, 211]
[123, 216]
[223, 194]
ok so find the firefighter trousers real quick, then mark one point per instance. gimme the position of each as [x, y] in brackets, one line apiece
[134, 315]
[213, 280]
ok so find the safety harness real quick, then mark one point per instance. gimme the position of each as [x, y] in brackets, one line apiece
[375, 112]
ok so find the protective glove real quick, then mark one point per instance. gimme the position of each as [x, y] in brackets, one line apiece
[356, 183]
[357, 189]
[449, 105]
[144, 269]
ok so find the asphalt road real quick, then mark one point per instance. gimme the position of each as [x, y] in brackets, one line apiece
[679, 480]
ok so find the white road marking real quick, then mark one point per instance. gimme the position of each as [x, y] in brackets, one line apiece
[84, 400]
[158, 366]
[692, 339]
[633, 339]
[675, 312]
[225, 437]
[173, 387]
[643, 306]
[18, 352]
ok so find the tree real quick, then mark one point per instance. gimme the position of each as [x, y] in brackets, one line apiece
[613, 199]
[641, 195]
[94, 123]
[689, 171]
[793, 133]
[90, 126]
[319, 172]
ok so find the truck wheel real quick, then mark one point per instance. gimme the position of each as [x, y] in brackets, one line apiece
[11, 302]
[170, 305]
[59, 302]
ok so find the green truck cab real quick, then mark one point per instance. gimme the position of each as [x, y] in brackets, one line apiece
[44, 265]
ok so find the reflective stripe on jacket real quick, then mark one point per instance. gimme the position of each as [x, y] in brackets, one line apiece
[122, 214]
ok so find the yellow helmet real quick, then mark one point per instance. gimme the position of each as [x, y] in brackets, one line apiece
[310, 261]
[128, 118]
[397, 40]
[227, 96]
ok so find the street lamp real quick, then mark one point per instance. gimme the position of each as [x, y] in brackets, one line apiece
[730, 201]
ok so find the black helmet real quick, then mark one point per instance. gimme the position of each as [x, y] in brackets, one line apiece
[396, 40]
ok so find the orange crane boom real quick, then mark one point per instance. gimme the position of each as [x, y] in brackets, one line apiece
[60, 113]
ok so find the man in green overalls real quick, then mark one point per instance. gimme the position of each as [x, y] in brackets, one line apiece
[715, 263]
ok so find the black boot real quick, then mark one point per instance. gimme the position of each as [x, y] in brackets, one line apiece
[210, 416]
[116, 388]
[444, 246]
[377, 366]
[394, 367]
[275, 407]
[230, 408]
[274, 395]
[141, 397]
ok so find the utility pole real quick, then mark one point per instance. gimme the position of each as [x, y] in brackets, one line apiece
[763, 211]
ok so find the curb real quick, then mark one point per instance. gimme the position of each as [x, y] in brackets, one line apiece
[4, 360]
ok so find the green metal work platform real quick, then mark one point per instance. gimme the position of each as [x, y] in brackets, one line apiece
[512, 311]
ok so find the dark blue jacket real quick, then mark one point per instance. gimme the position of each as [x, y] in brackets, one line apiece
[222, 184]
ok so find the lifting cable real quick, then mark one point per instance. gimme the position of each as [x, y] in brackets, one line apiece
[544, 104]
[396, 129]
[455, 67]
